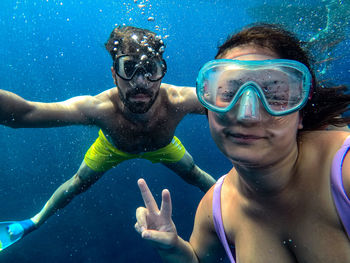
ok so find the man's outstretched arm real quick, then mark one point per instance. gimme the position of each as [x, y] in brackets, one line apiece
[16, 112]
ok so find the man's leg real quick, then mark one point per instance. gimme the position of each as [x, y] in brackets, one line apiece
[191, 173]
[80, 182]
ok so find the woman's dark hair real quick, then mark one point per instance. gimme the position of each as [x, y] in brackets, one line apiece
[327, 104]
[129, 39]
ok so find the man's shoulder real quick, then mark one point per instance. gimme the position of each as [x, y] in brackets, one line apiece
[178, 95]
[182, 98]
[106, 99]
[174, 90]
[106, 95]
[170, 91]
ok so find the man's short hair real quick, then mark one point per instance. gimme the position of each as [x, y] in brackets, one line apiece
[129, 39]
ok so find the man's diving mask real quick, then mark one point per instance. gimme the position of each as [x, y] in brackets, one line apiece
[283, 86]
[126, 66]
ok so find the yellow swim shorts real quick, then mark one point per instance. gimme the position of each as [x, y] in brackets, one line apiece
[102, 155]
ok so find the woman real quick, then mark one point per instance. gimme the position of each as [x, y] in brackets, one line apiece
[282, 202]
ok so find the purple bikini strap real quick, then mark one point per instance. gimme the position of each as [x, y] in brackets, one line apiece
[341, 200]
[219, 226]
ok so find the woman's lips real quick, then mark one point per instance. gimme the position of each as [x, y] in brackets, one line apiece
[243, 138]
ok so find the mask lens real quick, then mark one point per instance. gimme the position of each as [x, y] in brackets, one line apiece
[128, 68]
[281, 85]
[127, 65]
[227, 89]
[282, 88]
[156, 69]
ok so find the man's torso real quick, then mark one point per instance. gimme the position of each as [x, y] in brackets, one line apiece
[135, 135]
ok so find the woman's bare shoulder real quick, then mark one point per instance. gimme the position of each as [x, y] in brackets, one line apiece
[324, 139]
[319, 147]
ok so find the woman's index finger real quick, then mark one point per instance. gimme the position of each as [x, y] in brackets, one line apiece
[147, 196]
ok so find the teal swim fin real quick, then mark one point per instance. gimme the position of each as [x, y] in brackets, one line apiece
[12, 231]
[5, 238]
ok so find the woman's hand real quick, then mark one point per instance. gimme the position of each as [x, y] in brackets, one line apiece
[153, 224]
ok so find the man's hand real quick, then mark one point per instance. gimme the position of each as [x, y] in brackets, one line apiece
[153, 224]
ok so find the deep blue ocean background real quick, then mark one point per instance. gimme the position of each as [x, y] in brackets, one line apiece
[52, 50]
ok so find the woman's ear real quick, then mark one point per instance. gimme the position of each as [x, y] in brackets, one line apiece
[300, 124]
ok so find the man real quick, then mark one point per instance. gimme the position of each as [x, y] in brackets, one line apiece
[137, 118]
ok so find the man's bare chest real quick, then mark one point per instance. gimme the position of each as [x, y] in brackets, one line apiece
[140, 136]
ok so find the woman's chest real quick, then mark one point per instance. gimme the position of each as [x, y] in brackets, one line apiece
[308, 231]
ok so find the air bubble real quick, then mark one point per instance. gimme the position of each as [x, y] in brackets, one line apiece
[134, 37]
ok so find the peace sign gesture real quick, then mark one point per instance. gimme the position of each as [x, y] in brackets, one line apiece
[153, 224]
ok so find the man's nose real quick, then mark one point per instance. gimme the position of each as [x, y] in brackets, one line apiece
[140, 77]
[248, 107]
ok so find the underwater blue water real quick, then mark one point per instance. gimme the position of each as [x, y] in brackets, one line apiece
[53, 50]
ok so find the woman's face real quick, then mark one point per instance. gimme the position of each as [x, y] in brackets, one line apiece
[253, 138]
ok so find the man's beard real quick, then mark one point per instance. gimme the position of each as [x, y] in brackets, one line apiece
[138, 107]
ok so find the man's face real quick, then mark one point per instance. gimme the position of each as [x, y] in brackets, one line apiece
[137, 70]
[139, 93]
